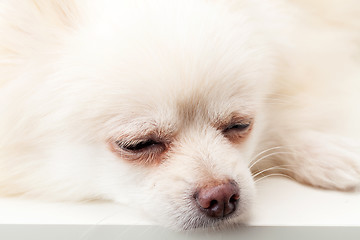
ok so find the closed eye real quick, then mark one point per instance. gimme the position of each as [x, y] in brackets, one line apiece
[144, 152]
[237, 127]
[146, 145]
[238, 132]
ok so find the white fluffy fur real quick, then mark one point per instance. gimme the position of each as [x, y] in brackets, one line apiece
[74, 74]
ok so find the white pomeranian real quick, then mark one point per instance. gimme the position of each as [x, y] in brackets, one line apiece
[176, 106]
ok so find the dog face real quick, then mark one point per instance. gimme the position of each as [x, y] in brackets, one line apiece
[158, 109]
[177, 111]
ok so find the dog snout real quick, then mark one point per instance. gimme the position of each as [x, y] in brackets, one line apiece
[218, 201]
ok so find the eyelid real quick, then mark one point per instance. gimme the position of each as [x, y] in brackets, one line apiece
[243, 126]
[236, 120]
[237, 136]
[222, 123]
[150, 156]
[145, 145]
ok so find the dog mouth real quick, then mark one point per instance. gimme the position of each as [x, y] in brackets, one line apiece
[199, 221]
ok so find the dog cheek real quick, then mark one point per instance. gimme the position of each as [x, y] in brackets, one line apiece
[167, 196]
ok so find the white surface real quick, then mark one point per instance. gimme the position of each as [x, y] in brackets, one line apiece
[280, 202]
[283, 202]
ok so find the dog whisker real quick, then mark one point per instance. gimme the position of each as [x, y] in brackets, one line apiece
[267, 157]
[275, 174]
[264, 151]
[280, 167]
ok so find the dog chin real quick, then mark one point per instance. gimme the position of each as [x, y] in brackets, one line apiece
[192, 219]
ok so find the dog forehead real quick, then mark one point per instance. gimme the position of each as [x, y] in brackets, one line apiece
[162, 37]
[178, 62]
[202, 103]
[214, 100]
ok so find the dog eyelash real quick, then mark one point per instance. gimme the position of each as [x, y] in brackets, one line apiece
[143, 152]
[237, 127]
[237, 132]
[146, 145]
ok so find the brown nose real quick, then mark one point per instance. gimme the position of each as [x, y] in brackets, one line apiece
[218, 201]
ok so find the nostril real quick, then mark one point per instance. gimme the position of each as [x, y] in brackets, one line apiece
[234, 198]
[213, 204]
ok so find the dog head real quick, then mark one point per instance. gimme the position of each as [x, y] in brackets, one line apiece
[157, 105]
